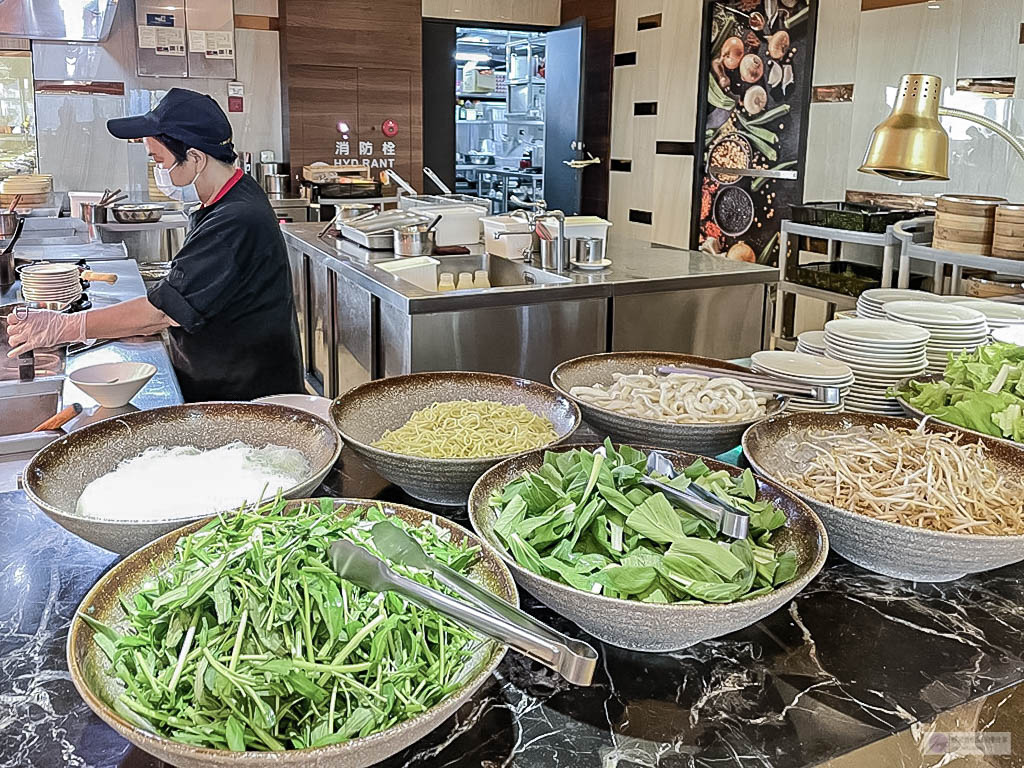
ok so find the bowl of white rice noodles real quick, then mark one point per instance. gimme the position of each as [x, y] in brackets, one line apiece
[621, 397]
[125, 481]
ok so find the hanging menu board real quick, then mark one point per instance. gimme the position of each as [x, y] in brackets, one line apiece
[211, 38]
[160, 37]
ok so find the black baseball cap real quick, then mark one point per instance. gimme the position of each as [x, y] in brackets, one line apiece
[190, 117]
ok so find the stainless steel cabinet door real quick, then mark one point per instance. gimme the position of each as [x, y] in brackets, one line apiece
[725, 322]
[354, 336]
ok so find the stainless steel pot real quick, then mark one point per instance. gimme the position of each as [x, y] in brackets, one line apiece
[137, 213]
[275, 183]
[8, 223]
[414, 240]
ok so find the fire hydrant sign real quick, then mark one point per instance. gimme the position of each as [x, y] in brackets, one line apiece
[373, 153]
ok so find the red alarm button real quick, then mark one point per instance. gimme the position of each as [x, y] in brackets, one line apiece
[389, 128]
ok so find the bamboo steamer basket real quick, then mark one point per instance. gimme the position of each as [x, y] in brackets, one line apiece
[1008, 237]
[966, 223]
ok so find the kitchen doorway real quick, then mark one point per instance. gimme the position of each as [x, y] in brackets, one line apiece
[488, 129]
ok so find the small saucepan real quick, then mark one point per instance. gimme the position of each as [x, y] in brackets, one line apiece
[415, 239]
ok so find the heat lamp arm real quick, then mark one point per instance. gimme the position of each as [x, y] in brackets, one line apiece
[992, 125]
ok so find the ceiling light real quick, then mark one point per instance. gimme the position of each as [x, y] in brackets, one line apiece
[466, 56]
[934, 5]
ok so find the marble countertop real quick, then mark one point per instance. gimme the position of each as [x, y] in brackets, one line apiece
[857, 663]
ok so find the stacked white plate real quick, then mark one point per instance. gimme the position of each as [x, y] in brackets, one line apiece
[999, 314]
[805, 370]
[870, 303]
[811, 343]
[880, 353]
[952, 328]
[50, 282]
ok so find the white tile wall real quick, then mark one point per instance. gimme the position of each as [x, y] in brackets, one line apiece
[667, 72]
[835, 49]
[964, 38]
[74, 144]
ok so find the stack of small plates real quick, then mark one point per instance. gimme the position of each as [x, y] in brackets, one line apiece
[952, 328]
[805, 370]
[881, 354]
[811, 343]
[51, 282]
[870, 303]
[999, 314]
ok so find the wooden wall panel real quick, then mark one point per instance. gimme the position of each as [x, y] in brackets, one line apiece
[356, 60]
[597, 115]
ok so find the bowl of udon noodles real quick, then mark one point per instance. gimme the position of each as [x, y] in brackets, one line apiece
[926, 501]
[621, 397]
[435, 434]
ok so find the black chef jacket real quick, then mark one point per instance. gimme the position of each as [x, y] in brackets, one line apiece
[230, 291]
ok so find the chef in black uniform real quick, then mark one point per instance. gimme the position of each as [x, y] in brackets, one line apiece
[227, 302]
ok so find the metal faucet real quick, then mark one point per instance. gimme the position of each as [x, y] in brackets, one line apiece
[528, 252]
[561, 252]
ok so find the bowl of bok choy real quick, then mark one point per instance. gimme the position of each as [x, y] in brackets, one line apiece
[583, 534]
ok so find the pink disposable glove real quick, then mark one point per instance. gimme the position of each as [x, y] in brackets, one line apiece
[43, 328]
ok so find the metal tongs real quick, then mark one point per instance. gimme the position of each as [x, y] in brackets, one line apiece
[572, 659]
[761, 383]
[445, 189]
[730, 522]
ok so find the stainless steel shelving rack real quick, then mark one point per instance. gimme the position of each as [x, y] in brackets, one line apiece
[915, 238]
[887, 241]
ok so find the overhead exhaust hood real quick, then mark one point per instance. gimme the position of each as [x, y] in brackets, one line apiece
[69, 20]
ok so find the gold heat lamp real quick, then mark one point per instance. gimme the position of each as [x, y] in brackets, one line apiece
[911, 144]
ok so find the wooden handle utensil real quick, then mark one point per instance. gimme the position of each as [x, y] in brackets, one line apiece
[62, 418]
[99, 277]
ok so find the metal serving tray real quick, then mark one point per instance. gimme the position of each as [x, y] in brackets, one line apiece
[373, 230]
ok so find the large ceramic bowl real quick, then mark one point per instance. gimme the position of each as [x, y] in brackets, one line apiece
[917, 414]
[704, 439]
[57, 475]
[650, 626]
[366, 412]
[91, 673]
[773, 449]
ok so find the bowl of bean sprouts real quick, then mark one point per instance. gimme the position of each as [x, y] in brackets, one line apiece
[921, 501]
[621, 396]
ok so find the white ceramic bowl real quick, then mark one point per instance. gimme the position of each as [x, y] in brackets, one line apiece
[314, 404]
[113, 385]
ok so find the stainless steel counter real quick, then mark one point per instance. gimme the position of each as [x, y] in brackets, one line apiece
[359, 322]
[637, 267]
[161, 390]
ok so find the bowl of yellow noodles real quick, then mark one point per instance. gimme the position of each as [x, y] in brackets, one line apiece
[435, 434]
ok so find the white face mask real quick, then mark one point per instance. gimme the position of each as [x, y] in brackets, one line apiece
[185, 194]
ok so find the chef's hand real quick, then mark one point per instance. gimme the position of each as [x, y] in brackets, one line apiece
[43, 328]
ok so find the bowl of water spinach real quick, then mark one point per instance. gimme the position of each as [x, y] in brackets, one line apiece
[584, 534]
[232, 642]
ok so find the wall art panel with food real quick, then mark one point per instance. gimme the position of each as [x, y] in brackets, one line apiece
[752, 123]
